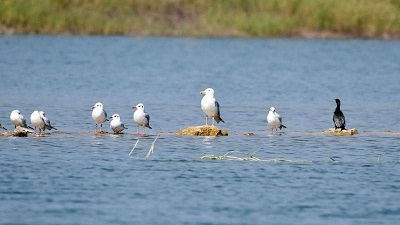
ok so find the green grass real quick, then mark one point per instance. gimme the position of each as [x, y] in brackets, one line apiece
[244, 18]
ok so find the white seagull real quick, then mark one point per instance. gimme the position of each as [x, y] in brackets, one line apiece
[99, 115]
[37, 121]
[274, 120]
[18, 119]
[116, 125]
[140, 117]
[210, 106]
[47, 124]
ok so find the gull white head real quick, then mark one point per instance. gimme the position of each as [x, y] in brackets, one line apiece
[139, 106]
[272, 109]
[35, 113]
[98, 106]
[16, 111]
[115, 116]
[42, 114]
[208, 91]
[15, 114]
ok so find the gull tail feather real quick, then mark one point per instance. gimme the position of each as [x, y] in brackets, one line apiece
[50, 127]
[218, 119]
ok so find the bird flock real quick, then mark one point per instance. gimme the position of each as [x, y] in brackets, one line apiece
[209, 105]
[140, 117]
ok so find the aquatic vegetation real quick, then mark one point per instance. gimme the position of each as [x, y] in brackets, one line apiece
[244, 18]
[249, 157]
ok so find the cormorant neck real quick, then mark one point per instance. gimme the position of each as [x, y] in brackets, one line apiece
[337, 107]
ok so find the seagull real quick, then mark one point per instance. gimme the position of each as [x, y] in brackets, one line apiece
[99, 115]
[274, 120]
[338, 117]
[2, 127]
[116, 124]
[37, 121]
[210, 106]
[140, 117]
[18, 119]
[47, 124]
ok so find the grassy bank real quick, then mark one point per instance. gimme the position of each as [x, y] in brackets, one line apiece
[255, 18]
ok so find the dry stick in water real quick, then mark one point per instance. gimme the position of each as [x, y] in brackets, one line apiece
[151, 150]
[130, 153]
[330, 157]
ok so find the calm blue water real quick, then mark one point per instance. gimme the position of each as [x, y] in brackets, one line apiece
[76, 177]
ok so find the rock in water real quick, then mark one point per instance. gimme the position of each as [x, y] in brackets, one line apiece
[205, 130]
[18, 132]
[339, 132]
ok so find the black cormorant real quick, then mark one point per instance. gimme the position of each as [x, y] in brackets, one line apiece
[338, 117]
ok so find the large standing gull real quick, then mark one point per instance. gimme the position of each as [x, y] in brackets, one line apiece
[140, 117]
[274, 120]
[116, 125]
[338, 117]
[18, 119]
[99, 115]
[210, 106]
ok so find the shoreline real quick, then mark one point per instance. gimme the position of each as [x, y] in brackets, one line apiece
[314, 19]
[311, 35]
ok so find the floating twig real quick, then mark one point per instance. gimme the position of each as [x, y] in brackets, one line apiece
[151, 150]
[330, 157]
[130, 153]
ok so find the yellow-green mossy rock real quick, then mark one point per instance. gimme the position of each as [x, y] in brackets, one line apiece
[18, 132]
[205, 130]
[339, 132]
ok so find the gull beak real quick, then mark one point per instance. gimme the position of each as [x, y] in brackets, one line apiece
[93, 107]
[134, 107]
[202, 92]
